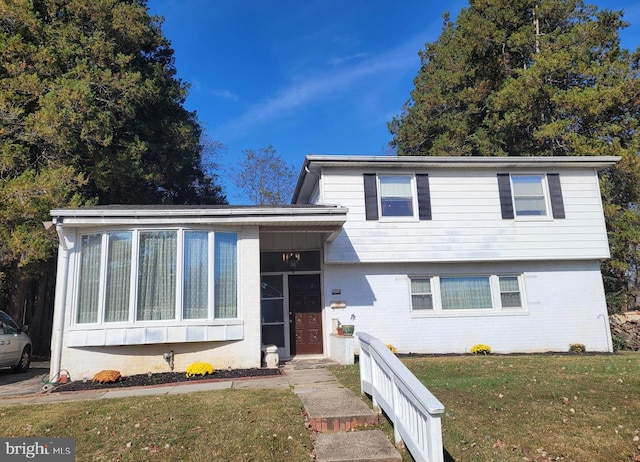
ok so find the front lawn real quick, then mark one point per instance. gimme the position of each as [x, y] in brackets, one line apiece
[226, 425]
[533, 407]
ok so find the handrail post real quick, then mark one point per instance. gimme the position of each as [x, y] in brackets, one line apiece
[413, 410]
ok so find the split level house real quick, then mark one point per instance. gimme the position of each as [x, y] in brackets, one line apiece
[428, 254]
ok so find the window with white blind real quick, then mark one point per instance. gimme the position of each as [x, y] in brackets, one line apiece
[442, 294]
[396, 196]
[389, 197]
[531, 196]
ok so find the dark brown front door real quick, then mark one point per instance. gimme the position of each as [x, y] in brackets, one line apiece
[305, 314]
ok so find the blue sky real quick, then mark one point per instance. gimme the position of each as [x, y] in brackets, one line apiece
[308, 77]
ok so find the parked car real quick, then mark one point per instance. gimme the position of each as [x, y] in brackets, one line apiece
[15, 344]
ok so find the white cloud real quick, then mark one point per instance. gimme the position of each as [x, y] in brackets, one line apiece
[224, 94]
[337, 61]
[400, 60]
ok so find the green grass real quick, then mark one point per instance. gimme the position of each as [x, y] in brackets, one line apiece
[498, 408]
[228, 425]
[533, 407]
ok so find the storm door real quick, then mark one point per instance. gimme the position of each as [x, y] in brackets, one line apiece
[305, 314]
[273, 308]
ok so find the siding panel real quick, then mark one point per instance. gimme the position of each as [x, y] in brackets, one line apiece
[467, 222]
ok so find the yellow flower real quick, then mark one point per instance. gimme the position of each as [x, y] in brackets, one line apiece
[481, 349]
[200, 369]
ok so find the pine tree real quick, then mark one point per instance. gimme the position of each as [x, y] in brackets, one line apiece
[91, 112]
[536, 78]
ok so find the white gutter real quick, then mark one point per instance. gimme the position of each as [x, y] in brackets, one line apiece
[236, 213]
[313, 162]
[59, 306]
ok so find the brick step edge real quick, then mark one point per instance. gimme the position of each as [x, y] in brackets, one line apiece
[341, 424]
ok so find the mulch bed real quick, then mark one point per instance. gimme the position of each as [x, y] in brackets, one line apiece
[162, 378]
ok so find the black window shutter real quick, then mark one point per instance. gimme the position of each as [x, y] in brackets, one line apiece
[424, 196]
[506, 202]
[370, 196]
[555, 191]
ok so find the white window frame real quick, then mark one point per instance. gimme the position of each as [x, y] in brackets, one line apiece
[414, 198]
[496, 296]
[545, 192]
[133, 292]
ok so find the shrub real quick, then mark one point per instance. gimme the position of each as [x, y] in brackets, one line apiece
[619, 343]
[481, 349]
[577, 348]
[392, 349]
[107, 376]
[200, 369]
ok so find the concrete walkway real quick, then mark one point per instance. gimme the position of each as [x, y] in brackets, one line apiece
[339, 417]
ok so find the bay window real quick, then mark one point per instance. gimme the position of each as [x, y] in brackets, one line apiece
[118, 290]
[157, 275]
[157, 260]
[89, 287]
[195, 300]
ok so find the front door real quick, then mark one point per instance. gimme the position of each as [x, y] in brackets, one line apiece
[305, 314]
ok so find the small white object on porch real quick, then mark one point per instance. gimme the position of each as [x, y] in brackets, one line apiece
[271, 357]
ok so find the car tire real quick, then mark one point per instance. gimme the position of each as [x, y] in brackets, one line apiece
[25, 361]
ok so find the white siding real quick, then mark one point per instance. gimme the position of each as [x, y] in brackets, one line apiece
[467, 224]
[564, 304]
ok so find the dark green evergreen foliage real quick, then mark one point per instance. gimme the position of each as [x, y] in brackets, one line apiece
[536, 78]
[492, 85]
[92, 85]
[91, 112]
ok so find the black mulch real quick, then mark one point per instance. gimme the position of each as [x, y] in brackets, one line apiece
[161, 378]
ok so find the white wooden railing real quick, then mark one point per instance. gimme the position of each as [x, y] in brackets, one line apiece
[413, 410]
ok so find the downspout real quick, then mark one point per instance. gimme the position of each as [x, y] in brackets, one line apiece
[62, 277]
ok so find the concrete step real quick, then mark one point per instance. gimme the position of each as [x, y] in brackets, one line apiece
[359, 446]
[336, 409]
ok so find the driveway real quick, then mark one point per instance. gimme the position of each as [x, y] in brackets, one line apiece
[27, 383]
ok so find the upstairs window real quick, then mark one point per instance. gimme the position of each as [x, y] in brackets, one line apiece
[397, 196]
[530, 196]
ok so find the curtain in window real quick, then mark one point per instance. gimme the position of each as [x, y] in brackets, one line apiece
[225, 275]
[196, 275]
[510, 292]
[465, 293]
[157, 275]
[421, 295]
[89, 287]
[118, 278]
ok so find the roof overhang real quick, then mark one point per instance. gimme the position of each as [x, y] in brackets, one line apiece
[321, 219]
[314, 165]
